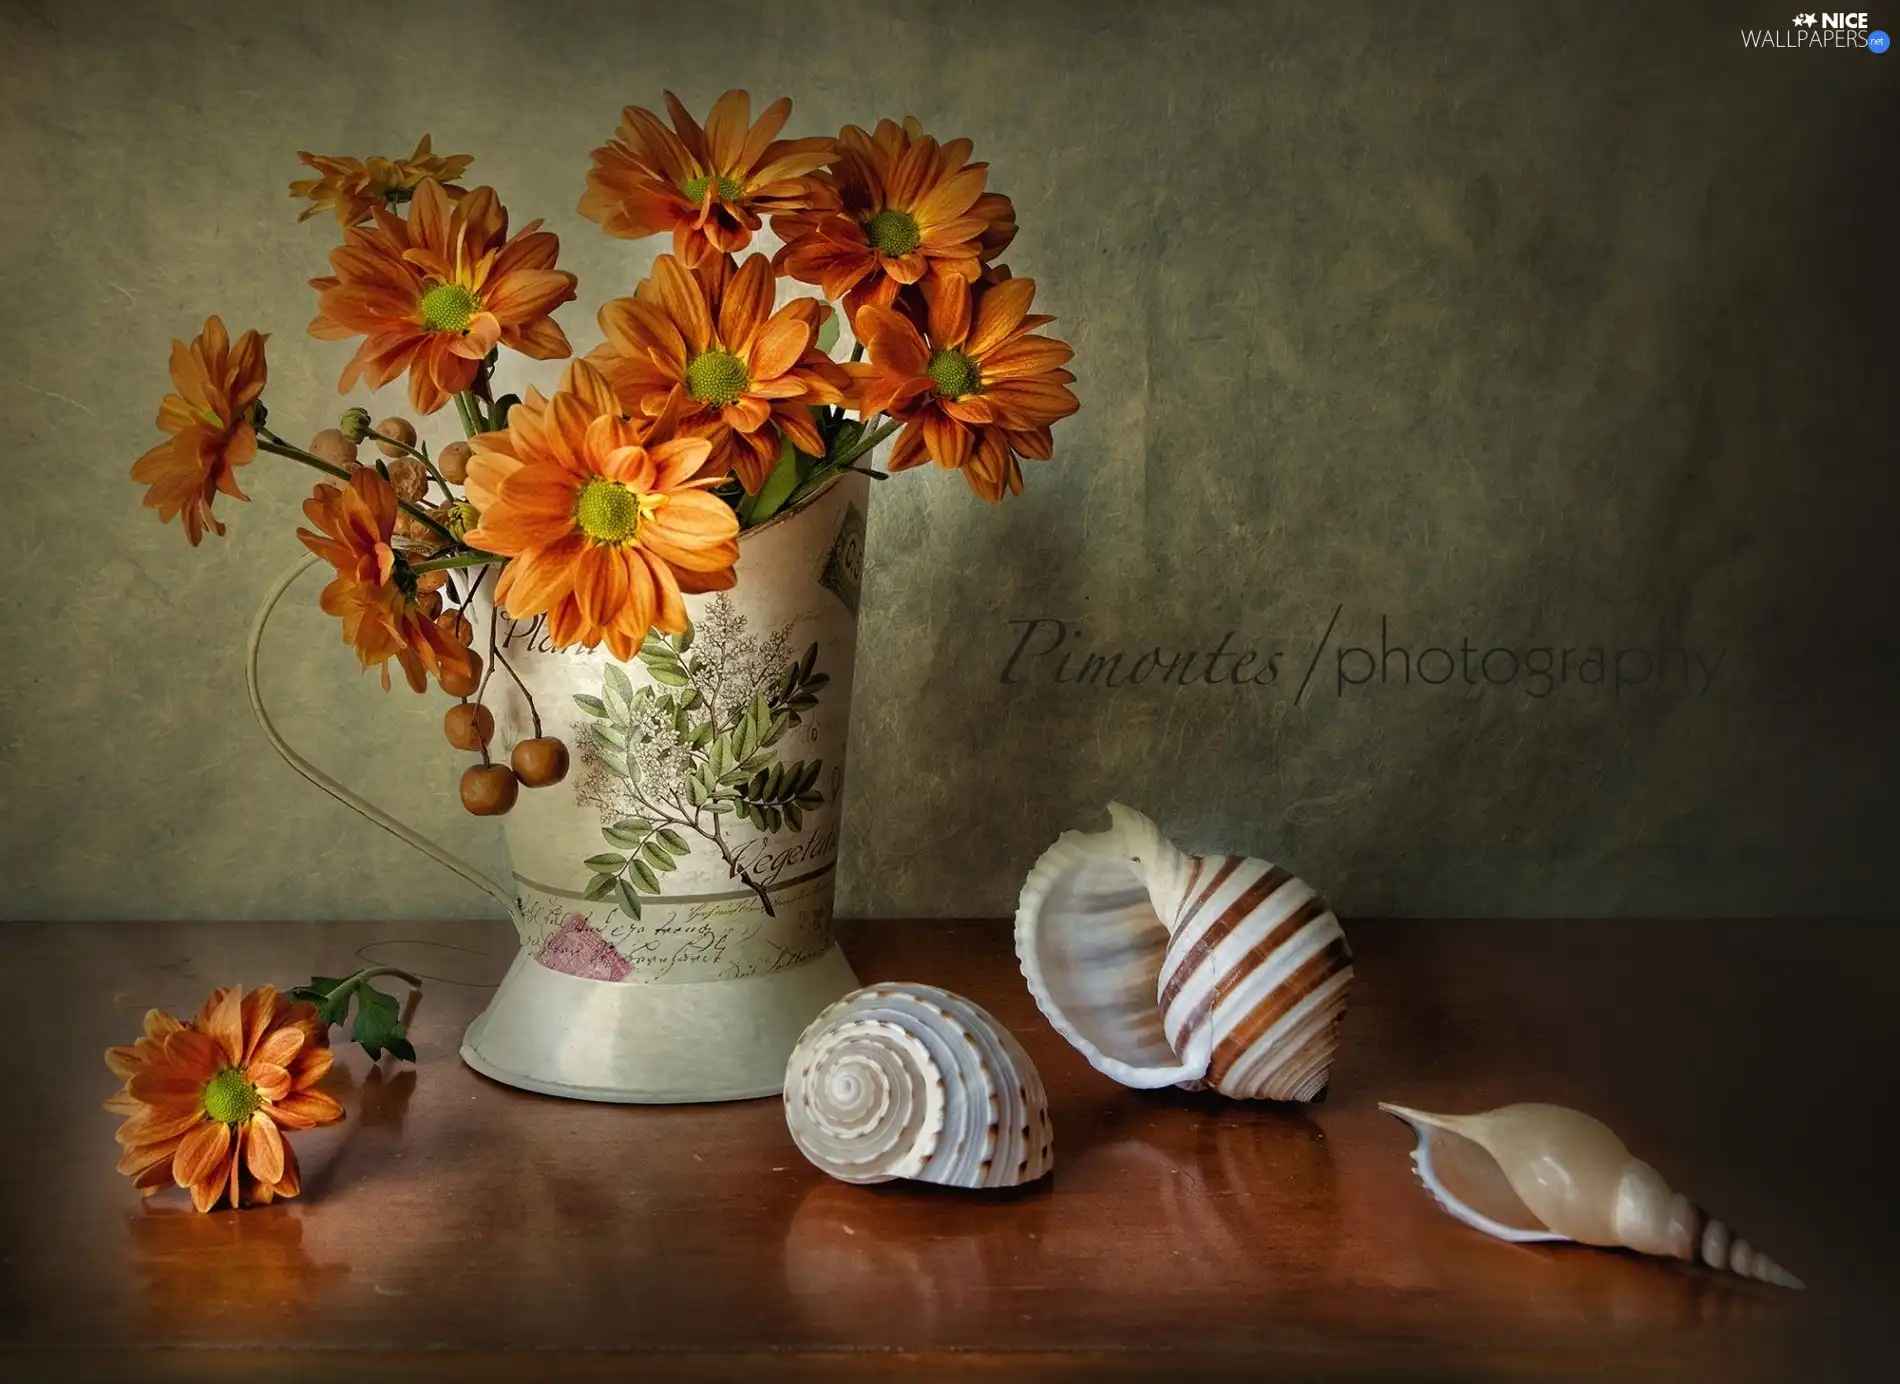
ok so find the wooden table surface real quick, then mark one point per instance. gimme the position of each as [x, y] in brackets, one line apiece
[456, 1229]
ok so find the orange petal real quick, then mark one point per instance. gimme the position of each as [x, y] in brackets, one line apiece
[317, 1107]
[280, 1047]
[292, 1181]
[124, 1061]
[727, 125]
[165, 1086]
[201, 1154]
[258, 1009]
[777, 347]
[224, 1024]
[264, 1150]
[679, 296]
[747, 303]
[272, 1082]
[1002, 307]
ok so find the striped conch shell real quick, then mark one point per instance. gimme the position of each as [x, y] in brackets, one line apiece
[1544, 1172]
[900, 1080]
[1168, 969]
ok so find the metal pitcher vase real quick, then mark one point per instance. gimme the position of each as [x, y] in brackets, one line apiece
[673, 894]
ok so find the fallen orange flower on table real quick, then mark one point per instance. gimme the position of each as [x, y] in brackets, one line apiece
[209, 419]
[207, 1102]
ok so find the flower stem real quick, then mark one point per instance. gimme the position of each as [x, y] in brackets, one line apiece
[468, 558]
[268, 441]
[471, 411]
[864, 444]
[497, 655]
[369, 973]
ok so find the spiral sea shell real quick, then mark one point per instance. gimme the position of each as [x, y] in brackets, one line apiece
[1164, 968]
[1544, 1172]
[900, 1080]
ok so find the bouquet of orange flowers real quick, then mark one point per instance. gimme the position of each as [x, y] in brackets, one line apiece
[704, 410]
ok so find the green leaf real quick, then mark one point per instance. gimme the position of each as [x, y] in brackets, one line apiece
[674, 841]
[606, 863]
[793, 817]
[646, 879]
[331, 1008]
[670, 674]
[600, 887]
[593, 706]
[697, 792]
[683, 640]
[702, 737]
[808, 662]
[628, 899]
[828, 332]
[778, 487]
[629, 832]
[656, 856]
[612, 735]
[379, 1025]
[809, 775]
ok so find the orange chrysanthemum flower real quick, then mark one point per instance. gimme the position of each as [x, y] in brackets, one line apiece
[899, 207]
[975, 388]
[375, 594]
[207, 1102]
[705, 344]
[709, 187]
[209, 419]
[435, 293]
[604, 533]
[354, 188]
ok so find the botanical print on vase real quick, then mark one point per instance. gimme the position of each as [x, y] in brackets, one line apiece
[691, 761]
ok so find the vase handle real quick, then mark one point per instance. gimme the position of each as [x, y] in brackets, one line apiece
[402, 831]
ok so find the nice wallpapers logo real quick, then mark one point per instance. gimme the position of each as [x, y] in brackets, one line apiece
[1821, 29]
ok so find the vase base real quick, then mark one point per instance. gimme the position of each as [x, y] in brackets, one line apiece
[645, 1043]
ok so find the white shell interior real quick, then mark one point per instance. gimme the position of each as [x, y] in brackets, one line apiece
[1091, 947]
[912, 1081]
[1467, 1182]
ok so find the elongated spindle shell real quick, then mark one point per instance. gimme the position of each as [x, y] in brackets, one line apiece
[1545, 1172]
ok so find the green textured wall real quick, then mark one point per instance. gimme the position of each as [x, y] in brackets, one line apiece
[1523, 324]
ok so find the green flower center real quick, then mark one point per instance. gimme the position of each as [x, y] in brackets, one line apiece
[893, 232]
[726, 189]
[716, 377]
[230, 1099]
[955, 374]
[449, 308]
[611, 513]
